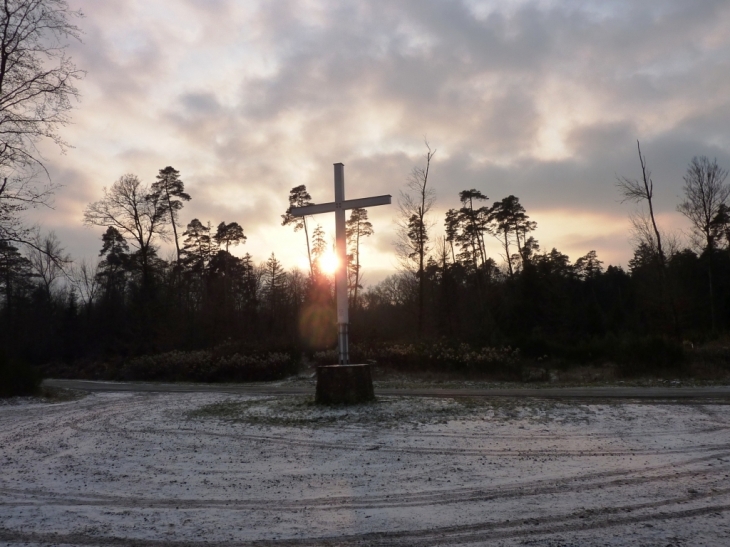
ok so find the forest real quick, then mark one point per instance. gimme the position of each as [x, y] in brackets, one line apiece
[207, 314]
[207, 311]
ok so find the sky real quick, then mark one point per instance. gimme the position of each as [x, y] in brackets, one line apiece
[544, 100]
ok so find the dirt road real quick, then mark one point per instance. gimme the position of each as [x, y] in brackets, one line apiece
[719, 393]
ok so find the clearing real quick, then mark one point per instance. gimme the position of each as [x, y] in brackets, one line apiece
[184, 469]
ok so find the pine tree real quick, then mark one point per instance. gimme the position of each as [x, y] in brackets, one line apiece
[299, 197]
[197, 246]
[230, 234]
[167, 188]
[357, 226]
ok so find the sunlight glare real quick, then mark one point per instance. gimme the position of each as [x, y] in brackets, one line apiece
[328, 263]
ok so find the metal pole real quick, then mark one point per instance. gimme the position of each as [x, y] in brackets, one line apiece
[343, 332]
[341, 274]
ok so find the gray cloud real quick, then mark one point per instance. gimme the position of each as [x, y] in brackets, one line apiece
[538, 99]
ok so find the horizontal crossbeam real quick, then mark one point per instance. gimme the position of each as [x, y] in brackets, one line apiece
[333, 206]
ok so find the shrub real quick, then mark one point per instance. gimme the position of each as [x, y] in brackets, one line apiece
[208, 366]
[649, 354]
[634, 355]
[17, 377]
[437, 356]
[711, 355]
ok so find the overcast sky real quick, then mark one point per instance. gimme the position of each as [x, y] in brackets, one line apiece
[544, 100]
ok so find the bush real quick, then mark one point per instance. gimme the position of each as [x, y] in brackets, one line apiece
[634, 355]
[227, 362]
[649, 354]
[208, 366]
[17, 378]
[714, 355]
[437, 356]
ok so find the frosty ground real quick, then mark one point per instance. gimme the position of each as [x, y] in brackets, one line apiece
[179, 469]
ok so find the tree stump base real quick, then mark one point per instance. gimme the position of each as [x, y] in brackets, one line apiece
[344, 384]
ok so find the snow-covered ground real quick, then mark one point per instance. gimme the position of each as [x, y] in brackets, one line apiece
[187, 469]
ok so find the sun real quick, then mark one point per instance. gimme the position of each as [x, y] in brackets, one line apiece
[328, 263]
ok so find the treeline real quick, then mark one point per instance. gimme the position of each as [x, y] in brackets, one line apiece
[542, 302]
[133, 302]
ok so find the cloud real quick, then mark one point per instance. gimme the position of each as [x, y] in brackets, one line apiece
[540, 99]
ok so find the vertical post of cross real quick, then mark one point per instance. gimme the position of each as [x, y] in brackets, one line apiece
[341, 274]
[352, 383]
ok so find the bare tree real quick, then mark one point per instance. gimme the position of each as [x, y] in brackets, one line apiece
[642, 231]
[705, 200]
[47, 259]
[414, 204]
[642, 234]
[37, 86]
[394, 290]
[84, 278]
[705, 196]
[138, 214]
[637, 191]
[645, 227]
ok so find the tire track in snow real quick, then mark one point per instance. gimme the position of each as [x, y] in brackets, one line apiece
[37, 497]
[350, 446]
[580, 521]
[436, 497]
[97, 421]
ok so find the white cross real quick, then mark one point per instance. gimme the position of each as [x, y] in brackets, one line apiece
[339, 206]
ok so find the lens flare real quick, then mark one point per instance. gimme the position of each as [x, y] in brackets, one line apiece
[317, 326]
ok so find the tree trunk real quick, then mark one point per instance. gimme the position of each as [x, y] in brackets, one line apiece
[309, 252]
[421, 290]
[357, 267]
[712, 294]
[666, 289]
[506, 252]
[172, 220]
